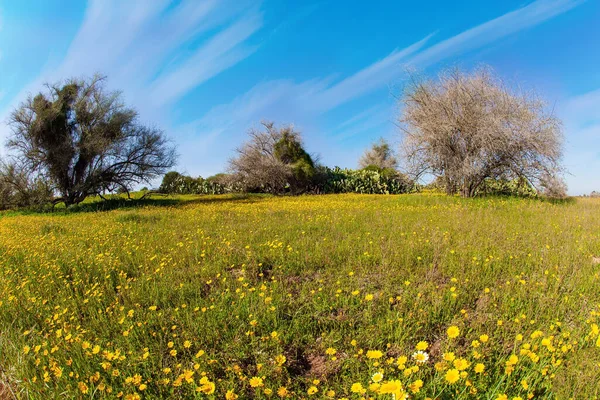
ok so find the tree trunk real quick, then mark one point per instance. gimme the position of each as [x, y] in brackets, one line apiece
[469, 188]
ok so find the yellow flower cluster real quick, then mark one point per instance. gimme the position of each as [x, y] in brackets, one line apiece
[343, 296]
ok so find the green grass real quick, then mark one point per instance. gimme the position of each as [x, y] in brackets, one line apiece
[295, 291]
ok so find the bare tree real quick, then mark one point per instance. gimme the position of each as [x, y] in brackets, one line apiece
[84, 140]
[272, 160]
[553, 186]
[379, 155]
[466, 128]
[256, 165]
[18, 188]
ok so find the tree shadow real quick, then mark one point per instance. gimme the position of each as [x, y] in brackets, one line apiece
[560, 201]
[122, 203]
[541, 199]
[162, 201]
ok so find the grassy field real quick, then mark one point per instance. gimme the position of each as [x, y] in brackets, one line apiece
[345, 296]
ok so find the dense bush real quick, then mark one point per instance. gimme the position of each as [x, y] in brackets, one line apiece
[493, 187]
[290, 151]
[19, 190]
[504, 187]
[370, 180]
[176, 183]
[323, 180]
[273, 160]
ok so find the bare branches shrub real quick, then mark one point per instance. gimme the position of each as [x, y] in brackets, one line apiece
[273, 160]
[466, 128]
[380, 155]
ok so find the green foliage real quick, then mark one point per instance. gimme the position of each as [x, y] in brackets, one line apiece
[289, 151]
[505, 187]
[175, 183]
[388, 173]
[303, 172]
[365, 181]
[221, 177]
[322, 180]
[492, 187]
[170, 182]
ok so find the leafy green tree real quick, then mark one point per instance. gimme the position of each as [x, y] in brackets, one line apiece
[83, 140]
[290, 151]
[170, 182]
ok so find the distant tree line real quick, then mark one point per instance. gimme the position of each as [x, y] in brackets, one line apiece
[274, 160]
[467, 133]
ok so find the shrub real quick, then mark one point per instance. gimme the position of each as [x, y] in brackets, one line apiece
[176, 183]
[20, 190]
[273, 161]
[366, 181]
[467, 128]
[505, 187]
[379, 155]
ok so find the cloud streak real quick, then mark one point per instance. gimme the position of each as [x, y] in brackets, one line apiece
[488, 32]
[367, 79]
[313, 98]
[217, 54]
[138, 44]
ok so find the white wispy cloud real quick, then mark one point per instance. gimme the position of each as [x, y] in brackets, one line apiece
[137, 42]
[376, 117]
[310, 99]
[367, 79]
[365, 114]
[108, 30]
[583, 109]
[219, 53]
[488, 32]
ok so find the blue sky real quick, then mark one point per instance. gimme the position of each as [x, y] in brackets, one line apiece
[207, 70]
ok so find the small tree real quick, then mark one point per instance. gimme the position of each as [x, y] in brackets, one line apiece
[20, 189]
[84, 141]
[273, 161]
[170, 182]
[379, 155]
[469, 128]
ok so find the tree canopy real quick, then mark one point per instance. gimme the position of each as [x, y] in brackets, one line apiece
[466, 128]
[273, 160]
[83, 140]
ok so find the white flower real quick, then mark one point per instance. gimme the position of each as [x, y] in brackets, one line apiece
[377, 377]
[420, 356]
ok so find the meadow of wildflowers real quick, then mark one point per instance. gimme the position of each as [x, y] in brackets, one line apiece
[341, 296]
